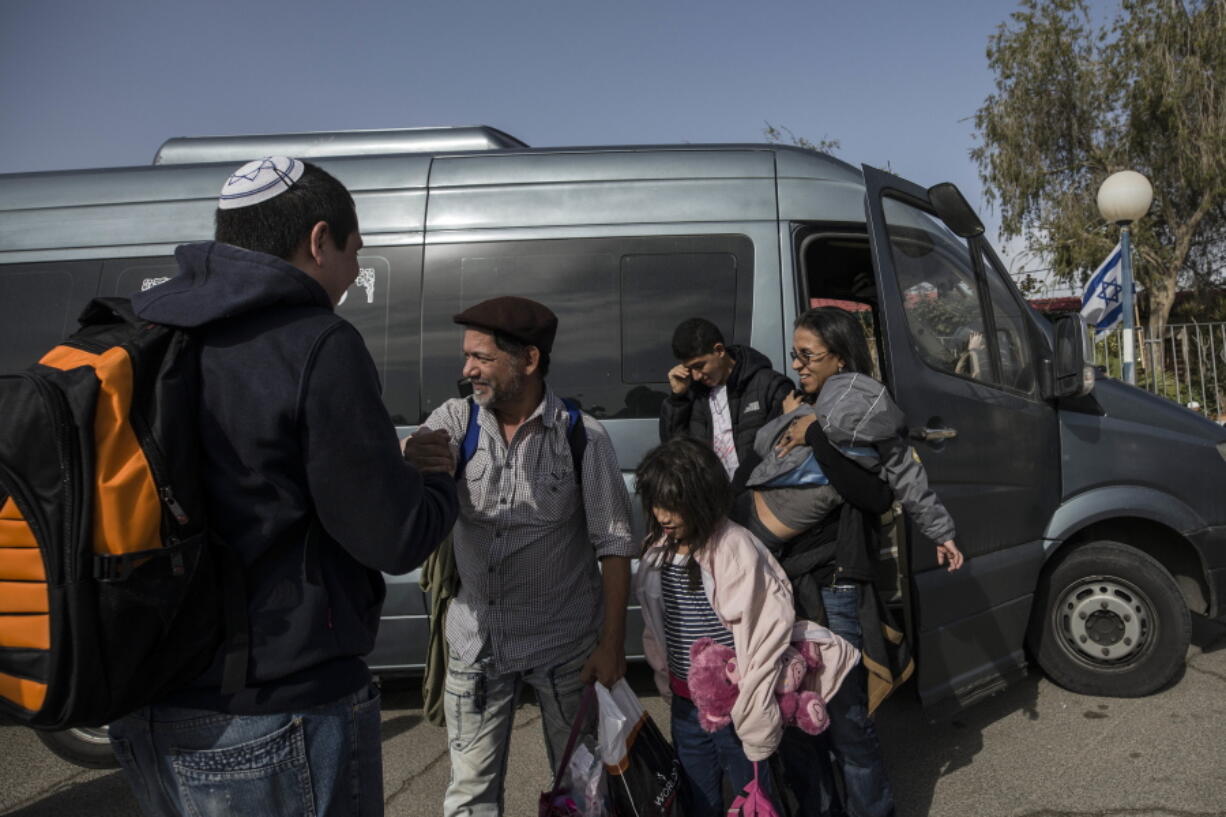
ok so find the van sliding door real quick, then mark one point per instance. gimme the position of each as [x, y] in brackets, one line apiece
[961, 364]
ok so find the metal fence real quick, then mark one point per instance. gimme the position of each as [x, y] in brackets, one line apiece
[1187, 364]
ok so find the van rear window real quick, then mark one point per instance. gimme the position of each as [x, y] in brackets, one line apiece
[617, 300]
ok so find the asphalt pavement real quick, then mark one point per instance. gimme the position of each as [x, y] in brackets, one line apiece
[1034, 750]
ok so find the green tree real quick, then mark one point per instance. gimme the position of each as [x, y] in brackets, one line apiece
[1077, 100]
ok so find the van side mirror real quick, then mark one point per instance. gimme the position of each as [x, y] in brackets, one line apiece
[1072, 369]
[954, 210]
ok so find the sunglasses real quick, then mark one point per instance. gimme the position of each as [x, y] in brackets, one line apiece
[808, 358]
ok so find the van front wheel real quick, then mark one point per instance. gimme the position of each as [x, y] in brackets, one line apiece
[1110, 620]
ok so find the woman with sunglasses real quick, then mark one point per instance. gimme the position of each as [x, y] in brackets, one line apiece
[831, 569]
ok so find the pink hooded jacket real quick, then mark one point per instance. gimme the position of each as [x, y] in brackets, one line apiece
[753, 598]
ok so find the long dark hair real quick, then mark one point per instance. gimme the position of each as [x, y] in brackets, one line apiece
[684, 476]
[841, 333]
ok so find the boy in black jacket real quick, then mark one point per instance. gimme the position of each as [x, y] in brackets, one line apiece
[305, 479]
[721, 395]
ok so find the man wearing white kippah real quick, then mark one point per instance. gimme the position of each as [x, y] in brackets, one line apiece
[305, 480]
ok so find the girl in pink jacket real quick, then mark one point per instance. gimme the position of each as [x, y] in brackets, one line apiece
[703, 576]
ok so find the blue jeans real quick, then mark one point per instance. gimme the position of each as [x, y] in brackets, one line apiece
[706, 759]
[480, 707]
[326, 761]
[851, 736]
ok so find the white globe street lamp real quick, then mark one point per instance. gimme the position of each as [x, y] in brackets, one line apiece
[1122, 199]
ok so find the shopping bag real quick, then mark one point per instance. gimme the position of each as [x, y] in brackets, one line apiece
[643, 773]
[560, 800]
[752, 801]
[584, 782]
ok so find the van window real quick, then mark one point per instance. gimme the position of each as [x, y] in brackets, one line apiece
[837, 270]
[944, 303]
[655, 289]
[617, 301]
[39, 306]
[386, 312]
[1016, 367]
[941, 293]
[384, 303]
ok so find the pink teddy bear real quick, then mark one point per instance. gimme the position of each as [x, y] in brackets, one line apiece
[714, 684]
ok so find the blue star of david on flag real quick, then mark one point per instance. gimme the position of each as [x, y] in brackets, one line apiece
[1110, 291]
[1102, 305]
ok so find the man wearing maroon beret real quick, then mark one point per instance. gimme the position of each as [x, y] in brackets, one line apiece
[533, 607]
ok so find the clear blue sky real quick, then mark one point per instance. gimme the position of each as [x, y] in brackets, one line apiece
[87, 83]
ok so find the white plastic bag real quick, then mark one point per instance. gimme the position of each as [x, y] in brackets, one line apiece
[584, 779]
[643, 773]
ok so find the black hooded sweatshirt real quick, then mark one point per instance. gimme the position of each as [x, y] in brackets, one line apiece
[755, 396]
[303, 474]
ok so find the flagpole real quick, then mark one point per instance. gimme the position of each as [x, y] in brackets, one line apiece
[1130, 373]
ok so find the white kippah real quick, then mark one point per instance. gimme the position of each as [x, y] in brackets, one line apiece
[258, 181]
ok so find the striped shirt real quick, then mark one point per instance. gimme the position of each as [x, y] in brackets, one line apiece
[688, 616]
[527, 543]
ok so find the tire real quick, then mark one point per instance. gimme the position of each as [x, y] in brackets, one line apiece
[1109, 620]
[84, 746]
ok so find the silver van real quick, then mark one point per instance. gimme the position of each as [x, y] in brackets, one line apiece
[1091, 513]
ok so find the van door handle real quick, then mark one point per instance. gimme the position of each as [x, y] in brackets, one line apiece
[932, 435]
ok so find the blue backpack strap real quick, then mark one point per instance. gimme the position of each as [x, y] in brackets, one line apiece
[576, 436]
[472, 435]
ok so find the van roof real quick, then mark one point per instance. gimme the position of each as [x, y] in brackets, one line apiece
[145, 209]
[183, 150]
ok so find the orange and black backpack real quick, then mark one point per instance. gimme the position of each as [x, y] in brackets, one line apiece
[113, 591]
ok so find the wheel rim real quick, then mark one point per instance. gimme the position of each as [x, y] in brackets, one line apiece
[1105, 621]
[97, 735]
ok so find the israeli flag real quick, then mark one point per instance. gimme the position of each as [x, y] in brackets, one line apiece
[1102, 305]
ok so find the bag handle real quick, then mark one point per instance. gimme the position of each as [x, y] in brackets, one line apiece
[589, 694]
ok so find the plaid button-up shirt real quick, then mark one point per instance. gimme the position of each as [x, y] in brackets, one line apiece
[527, 543]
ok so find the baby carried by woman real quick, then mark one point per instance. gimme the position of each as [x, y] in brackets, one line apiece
[789, 494]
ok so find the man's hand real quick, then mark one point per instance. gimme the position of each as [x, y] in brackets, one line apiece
[679, 379]
[795, 435]
[429, 451]
[606, 664]
[948, 552]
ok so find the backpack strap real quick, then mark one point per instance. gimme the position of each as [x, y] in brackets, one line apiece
[576, 437]
[472, 435]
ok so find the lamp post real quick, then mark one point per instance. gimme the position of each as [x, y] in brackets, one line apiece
[1122, 199]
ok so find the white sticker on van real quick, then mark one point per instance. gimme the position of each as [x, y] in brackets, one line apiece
[365, 280]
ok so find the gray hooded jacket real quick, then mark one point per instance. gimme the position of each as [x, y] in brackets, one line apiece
[856, 411]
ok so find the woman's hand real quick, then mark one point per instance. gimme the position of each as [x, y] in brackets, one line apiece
[795, 435]
[792, 402]
[947, 552]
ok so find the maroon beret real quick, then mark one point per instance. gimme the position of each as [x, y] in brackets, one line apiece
[518, 318]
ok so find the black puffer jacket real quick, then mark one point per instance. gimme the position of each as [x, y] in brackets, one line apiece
[755, 395]
[303, 473]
